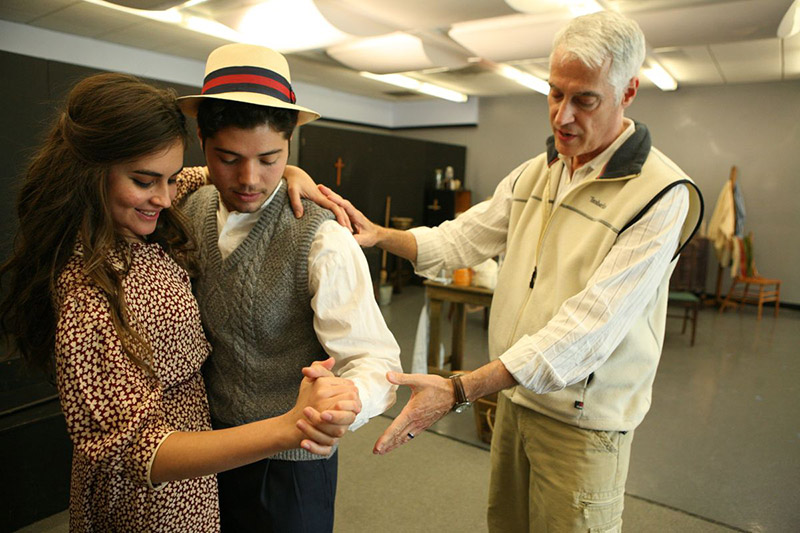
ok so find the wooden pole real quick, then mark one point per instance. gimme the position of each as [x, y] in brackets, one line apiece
[384, 274]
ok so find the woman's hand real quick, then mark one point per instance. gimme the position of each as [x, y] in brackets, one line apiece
[302, 186]
[326, 406]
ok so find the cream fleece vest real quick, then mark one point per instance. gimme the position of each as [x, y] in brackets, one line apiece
[551, 254]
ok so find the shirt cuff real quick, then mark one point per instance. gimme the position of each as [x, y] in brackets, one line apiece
[368, 408]
[530, 368]
[428, 255]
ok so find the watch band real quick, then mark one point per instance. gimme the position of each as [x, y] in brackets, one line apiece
[461, 396]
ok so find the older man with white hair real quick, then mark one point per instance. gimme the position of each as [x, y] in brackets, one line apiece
[590, 229]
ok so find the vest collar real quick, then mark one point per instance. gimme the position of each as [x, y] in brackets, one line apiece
[626, 161]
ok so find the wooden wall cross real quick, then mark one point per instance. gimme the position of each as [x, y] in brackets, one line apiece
[339, 166]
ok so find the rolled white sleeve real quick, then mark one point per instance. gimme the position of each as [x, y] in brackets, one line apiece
[347, 320]
[589, 326]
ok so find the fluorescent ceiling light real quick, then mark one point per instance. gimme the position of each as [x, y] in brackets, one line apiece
[289, 26]
[583, 7]
[523, 78]
[415, 85]
[395, 52]
[660, 77]
[212, 28]
[576, 7]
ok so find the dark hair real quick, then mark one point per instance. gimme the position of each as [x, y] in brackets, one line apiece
[214, 114]
[108, 119]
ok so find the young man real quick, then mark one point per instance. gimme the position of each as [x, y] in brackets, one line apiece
[590, 229]
[276, 292]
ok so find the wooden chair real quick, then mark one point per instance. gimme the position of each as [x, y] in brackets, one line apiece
[769, 289]
[688, 282]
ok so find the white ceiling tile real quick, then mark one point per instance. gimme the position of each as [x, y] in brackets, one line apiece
[711, 22]
[690, 65]
[156, 36]
[749, 61]
[86, 19]
[27, 10]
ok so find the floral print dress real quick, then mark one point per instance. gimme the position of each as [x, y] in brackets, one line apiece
[118, 416]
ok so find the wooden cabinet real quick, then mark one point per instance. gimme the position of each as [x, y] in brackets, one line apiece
[441, 205]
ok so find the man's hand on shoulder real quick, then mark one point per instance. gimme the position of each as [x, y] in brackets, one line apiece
[367, 233]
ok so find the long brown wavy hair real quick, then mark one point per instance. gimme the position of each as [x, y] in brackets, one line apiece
[108, 119]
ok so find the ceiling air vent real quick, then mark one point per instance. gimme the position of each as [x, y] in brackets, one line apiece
[401, 94]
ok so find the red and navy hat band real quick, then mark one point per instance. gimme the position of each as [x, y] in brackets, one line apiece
[250, 80]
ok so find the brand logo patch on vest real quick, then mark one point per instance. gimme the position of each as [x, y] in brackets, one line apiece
[597, 202]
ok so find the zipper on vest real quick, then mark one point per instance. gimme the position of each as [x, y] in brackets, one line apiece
[533, 277]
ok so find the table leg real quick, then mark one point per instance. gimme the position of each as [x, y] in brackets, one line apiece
[459, 330]
[435, 314]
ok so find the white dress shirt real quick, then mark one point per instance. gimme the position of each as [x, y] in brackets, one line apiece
[347, 320]
[561, 354]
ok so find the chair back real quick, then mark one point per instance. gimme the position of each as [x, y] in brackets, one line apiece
[746, 256]
[690, 272]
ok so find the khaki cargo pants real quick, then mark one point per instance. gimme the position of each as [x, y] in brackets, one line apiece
[551, 477]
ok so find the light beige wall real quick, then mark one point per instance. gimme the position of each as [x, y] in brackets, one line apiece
[705, 130]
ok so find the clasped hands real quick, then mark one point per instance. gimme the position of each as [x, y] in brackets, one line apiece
[326, 406]
[330, 404]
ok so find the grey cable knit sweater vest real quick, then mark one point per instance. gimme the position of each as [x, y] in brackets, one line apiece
[256, 311]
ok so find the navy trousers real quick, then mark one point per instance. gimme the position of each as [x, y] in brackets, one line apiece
[273, 496]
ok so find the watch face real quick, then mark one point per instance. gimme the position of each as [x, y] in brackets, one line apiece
[460, 407]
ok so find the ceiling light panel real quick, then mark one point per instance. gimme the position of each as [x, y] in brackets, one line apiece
[286, 26]
[523, 78]
[659, 76]
[395, 52]
[408, 14]
[575, 7]
[511, 38]
[412, 84]
[790, 23]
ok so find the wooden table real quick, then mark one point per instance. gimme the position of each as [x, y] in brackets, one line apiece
[458, 296]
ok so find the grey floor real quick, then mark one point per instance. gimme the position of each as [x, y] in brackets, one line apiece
[719, 450]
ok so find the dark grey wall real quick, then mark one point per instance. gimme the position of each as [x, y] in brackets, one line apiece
[33, 439]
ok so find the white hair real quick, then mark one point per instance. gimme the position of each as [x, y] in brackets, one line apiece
[595, 38]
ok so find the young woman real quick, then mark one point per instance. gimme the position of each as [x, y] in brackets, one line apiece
[98, 277]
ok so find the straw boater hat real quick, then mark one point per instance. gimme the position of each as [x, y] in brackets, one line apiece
[250, 74]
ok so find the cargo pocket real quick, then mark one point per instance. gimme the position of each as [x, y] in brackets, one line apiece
[607, 440]
[602, 510]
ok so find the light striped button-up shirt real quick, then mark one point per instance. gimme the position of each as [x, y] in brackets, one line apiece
[627, 279]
